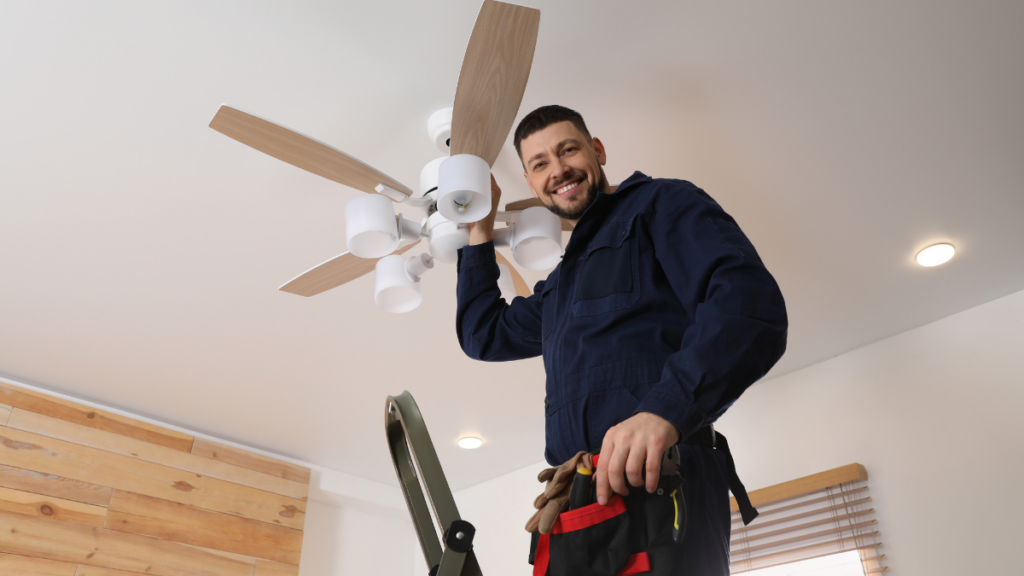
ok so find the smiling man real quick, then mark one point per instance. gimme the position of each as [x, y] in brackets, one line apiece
[659, 316]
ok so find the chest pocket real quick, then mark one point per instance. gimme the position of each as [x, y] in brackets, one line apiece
[609, 272]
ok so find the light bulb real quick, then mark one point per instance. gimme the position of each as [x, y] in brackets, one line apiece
[470, 443]
[935, 255]
[462, 199]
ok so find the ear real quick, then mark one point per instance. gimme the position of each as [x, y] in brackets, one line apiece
[602, 157]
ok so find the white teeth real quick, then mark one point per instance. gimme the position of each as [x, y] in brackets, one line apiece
[565, 189]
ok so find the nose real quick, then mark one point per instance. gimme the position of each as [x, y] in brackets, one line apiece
[558, 169]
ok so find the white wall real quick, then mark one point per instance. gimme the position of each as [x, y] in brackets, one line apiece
[499, 509]
[344, 540]
[935, 414]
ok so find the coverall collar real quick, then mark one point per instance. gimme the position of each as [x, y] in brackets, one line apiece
[594, 215]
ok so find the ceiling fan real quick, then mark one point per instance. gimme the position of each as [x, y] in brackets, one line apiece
[454, 190]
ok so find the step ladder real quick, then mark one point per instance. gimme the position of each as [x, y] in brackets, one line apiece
[416, 463]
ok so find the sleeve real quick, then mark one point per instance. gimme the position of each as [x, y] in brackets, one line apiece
[488, 328]
[740, 322]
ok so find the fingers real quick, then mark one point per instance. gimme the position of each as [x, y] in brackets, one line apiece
[534, 522]
[549, 514]
[495, 194]
[630, 450]
[495, 189]
[653, 467]
[546, 474]
[601, 487]
[635, 464]
[482, 231]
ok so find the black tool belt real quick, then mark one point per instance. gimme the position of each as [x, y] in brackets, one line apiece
[707, 436]
[614, 539]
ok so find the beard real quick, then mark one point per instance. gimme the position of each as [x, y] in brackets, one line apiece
[586, 197]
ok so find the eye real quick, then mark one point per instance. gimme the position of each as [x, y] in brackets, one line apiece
[538, 166]
[569, 149]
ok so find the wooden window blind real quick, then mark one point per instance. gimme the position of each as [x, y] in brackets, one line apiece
[810, 517]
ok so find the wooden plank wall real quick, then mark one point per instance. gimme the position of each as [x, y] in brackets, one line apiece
[85, 492]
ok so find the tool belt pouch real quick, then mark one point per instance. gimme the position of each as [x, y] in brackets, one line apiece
[612, 540]
[664, 513]
[590, 541]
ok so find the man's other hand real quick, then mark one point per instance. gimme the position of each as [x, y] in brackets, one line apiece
[627, 445]
[482, 231]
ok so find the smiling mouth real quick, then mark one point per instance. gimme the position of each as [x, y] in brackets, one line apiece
[569, 189]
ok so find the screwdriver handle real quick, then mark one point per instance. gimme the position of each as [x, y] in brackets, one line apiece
[579, 494]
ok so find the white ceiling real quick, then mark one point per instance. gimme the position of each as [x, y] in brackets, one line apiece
[141, 251]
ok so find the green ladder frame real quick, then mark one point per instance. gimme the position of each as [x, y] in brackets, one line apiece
[412, 451]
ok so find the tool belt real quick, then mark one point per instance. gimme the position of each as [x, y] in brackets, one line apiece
[588, 539]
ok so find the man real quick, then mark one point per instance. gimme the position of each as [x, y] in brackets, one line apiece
[659, 316]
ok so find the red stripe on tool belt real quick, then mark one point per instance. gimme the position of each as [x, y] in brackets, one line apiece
[588, 515]
[578, 520]
[637, 564]
[542, 556]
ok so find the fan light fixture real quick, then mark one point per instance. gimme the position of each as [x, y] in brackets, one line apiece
[464, 188]
[457, 188]
[446, 237]
[935, 255]
[470, 443]
[398, 282]
[370, 226]
[535, 238]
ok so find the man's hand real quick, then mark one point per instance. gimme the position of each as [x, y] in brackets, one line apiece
[626, 446]
[482, 231]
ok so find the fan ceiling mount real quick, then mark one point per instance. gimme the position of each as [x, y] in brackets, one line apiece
[454, 190]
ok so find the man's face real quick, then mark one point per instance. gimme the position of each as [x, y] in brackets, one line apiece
[563, 169]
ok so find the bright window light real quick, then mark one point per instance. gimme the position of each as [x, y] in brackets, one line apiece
[935, 255]
[842, 564]
[470, 443]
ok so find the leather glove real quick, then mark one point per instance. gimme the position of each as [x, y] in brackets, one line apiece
[555, 498]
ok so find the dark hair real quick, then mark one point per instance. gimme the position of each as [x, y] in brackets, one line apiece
[543, 117]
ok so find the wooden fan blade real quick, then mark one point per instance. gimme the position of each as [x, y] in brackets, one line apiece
[333, 273]
[493, 78]
[530, 203]
[523, 204]
[521, 288]
[301, 151]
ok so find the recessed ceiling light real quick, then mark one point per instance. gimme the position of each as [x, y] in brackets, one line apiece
[470, 443]
[935, 255]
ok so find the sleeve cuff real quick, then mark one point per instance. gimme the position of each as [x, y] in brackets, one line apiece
[684, 415]
[478, 255]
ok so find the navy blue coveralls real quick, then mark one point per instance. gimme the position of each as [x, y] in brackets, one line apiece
[660, 304]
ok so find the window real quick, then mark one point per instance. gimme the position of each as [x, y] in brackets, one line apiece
[810, 527]
[842, 564]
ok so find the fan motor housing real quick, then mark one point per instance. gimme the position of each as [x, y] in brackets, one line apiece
[439, 128]
[429, 175]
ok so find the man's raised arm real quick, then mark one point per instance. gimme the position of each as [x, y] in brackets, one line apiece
[487, 327]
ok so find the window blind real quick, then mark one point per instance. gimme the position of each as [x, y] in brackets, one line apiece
[814, 516]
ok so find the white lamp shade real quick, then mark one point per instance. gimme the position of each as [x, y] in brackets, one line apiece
[446, 238]
[537, 239]
[429, 175]
[370, 226]
[396, 291]
[464, 188]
